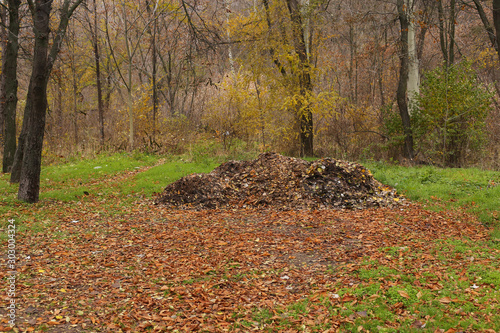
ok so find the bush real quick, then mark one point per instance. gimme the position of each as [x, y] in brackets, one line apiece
[449, 118]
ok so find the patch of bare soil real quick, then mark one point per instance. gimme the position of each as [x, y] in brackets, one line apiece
[277, 181]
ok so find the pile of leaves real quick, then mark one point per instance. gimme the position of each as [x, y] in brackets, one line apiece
[277, 181]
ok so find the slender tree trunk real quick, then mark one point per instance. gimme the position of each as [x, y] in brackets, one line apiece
[272, 52]
[442, 33]
[59, 111]
[154, 61]
[75, 101]
[128, 81]
[9, 89]
[15, 174]
[304, 77]
[496, 22]
[97, 58]
[155, 74]
[352, 48]
[486, 22]
[29, 184]
[3, 43]
[413, 72]
[451, 52]
[403, 81]
[492, 33]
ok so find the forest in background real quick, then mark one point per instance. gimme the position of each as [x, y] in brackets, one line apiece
[310, 77]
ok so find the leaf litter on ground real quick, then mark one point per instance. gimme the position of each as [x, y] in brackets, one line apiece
[155, 268]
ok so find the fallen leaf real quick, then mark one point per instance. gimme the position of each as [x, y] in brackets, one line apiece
[445, 300]
[403, 294]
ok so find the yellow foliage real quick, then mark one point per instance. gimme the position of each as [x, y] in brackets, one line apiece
[487, 58]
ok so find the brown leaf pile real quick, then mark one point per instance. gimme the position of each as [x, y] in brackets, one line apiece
[277, 181]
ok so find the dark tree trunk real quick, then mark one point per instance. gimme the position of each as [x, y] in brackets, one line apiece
[496, 22]
[304, 77]
[29, 184]
[402, 91]
[492, 33]
[486, 22]
[155, 74]
[15, 175]
[451, 51]
[154, 64]
[3, 43]
[38, 8]
[100, 105]
[9, 89]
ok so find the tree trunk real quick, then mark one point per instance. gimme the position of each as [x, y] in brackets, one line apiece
[451, 51]
[413, 72]
[100, 105]
[66, 12]
[29, 184]
[304, 79]
[486, 22]
[15, 174]
[403, 81]
[492, 34]
[3, 43]
[155, 87]
[443, 38]
[9, 89]
[496, 22]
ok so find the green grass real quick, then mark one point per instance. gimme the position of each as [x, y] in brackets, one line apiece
[110, 180]
[70, 181]
[475, 190]
[385, 299]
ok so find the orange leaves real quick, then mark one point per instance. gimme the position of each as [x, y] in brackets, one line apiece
[214, 270]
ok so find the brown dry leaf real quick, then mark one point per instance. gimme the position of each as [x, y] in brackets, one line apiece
[445, 300]
[403, 294]
[418, 324]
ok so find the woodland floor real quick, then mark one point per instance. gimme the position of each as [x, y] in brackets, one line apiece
[156, 269]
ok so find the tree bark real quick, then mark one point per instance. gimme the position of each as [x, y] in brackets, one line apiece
[413, 66]
[451, 51]
[66, 12]
[97, 58]
[10, 83]
[3, 43]
[304, 79]
[496, 22]
[486, 22]
[403, 81]
[443, 39]
[29, 184]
